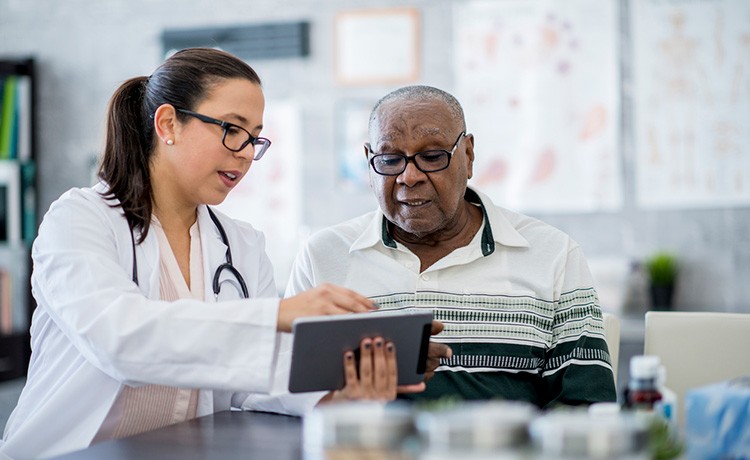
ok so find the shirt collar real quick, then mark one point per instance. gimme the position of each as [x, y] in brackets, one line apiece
[496, 229]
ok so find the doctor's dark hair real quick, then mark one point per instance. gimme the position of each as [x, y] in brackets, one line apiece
[184, 80]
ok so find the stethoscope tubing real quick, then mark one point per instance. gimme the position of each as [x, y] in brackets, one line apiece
[228, 265]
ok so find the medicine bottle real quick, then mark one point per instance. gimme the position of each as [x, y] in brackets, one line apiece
[643, 391]
[667, 406]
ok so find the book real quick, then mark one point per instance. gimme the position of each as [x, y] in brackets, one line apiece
[6, 305]
[23, 114]
[2, 97]
[28, 193]
[8, 126]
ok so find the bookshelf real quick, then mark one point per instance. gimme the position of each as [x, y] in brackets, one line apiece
[18, 211]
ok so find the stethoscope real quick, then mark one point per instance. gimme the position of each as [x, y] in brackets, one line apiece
[239, 281]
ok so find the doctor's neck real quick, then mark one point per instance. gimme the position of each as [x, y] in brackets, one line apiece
[171, 217]
[171, 211]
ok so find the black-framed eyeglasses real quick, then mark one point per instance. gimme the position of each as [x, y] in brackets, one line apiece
[393, 164]
[235, 137]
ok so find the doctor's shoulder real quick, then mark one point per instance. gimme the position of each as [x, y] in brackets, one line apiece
[81, 207]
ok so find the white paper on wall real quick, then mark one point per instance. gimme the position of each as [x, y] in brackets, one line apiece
[352, 118]
[539, 83]
[692, 102]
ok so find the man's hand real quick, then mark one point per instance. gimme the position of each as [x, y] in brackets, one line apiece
[436, 351]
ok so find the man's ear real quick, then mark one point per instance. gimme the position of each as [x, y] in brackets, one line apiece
[165, 123]
[370, 172]
[469, 155]
[366, 148]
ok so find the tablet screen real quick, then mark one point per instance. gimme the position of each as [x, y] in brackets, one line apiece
[319, 344]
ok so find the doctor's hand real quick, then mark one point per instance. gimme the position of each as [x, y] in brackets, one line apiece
[436, 351]
[377, 376]
[326, 299]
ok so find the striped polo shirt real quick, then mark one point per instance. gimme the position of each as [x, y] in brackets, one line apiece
[518, 303]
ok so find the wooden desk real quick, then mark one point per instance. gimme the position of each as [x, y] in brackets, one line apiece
[221, 436]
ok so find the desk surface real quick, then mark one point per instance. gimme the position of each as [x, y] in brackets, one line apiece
[222, 436]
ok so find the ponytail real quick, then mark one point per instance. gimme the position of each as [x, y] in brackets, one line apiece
[125, 165]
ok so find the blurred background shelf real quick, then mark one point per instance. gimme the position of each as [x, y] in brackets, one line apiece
[18, 211]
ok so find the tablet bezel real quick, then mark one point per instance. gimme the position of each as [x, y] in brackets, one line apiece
[319, 343]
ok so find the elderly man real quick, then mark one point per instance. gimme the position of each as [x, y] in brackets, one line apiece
[515, 295]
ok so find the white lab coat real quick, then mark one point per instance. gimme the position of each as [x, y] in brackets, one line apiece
[95, 331]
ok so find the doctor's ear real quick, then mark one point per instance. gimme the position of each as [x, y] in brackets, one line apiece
[165, 123]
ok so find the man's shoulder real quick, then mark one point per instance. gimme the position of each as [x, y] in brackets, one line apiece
[533, 229]
[521, 222]
[345, 232]
[540, 235]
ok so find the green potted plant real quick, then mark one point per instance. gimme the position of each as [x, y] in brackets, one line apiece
[662, 270]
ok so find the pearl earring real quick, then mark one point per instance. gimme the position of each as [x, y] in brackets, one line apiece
[169, 141]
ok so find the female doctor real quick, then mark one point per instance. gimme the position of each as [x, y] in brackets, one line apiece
[152, 307]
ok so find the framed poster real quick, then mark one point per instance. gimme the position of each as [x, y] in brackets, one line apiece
[378, 46]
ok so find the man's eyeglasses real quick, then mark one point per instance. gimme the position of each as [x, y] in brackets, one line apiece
[235, 137]
[393, 164]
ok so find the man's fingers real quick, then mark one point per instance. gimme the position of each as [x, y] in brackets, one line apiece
[439, 350]
[437, 327]
[436, 352]
[416, 388]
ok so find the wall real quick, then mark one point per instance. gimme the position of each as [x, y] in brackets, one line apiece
[85, 49]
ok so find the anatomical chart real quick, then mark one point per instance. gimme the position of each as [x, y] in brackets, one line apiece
[692, 102]
[539, 83]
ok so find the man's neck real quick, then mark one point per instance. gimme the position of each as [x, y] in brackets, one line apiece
[432, 248]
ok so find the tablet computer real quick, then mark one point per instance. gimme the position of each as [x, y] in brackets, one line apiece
[319, 344]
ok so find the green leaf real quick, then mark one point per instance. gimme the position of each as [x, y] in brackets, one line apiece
[662, 269]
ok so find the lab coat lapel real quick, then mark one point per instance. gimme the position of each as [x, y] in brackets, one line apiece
[214, 254]
[147, 254]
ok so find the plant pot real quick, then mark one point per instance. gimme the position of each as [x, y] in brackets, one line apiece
[661, 297]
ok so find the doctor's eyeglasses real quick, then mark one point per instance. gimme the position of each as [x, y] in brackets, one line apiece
[235, 137]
